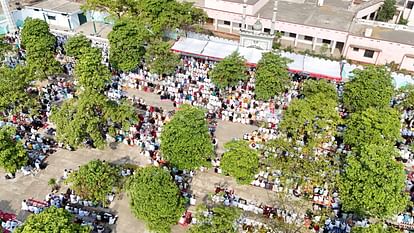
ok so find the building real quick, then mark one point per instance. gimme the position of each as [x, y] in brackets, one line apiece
[332, 27]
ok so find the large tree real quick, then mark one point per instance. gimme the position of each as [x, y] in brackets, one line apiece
[40, 46]
[155, 198]
[312, 87]
[387, 10]
[272, 77]
[52, 220]
[375, 228]
[240, 161]
[160, 58]
[373, 126]
[89, 70]
[127, 40]
[75, 44]
[12, 153]
[89, 117]
[218, 219]
[408, 96]
[14, 89]
[373, 182]
[229, 71]
[185, 141]
[371, 87]
[94, 180]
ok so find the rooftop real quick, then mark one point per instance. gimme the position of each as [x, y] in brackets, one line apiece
[383, 33]
[61, 6]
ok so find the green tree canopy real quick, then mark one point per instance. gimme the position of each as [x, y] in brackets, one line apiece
[40, 45]
[221, 219]
[13, 89]
[160, 59]
[127, 40]
[155, 198]
[51, 220]
[373, 126]
[89, 70]
[371, 87]
[87, 117]
[75, 44]
[316, 117]
[94, 180]
[185, 140]
[272, 77]
[12, 153]
[408, 100]
[240, 161]
[373, 182]
[229, 71]
[387, 10]
[312, 87]
[375, 228]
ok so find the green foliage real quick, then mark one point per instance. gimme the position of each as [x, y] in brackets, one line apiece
[223, 219]
[403, 21]
[229, 71]
[373, 182]
[186, 142]
[272, 77]
[94, 180]
[13, 89]
[371, 87]
[408, 100]
[313, 87]
[314, 116]
[75, 44]
[51, 220]
[240, 161]
[4, 48]
[12, 154]
[86, 117]
[375, 228]
[155, 198]
[387, 10]
[40, 45]
[373, 126]
[127, 40]
[89, 70]
[160, 59]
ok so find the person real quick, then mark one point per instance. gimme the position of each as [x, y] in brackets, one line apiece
[37, 164]
[24, 205]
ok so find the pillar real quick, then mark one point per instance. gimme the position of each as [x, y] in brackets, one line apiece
[231, 26]
[216, 24]
[333, 45]
[314, 43]
[296, 40]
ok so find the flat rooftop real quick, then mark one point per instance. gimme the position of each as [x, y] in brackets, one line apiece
[382, 33]
[249, 2]
[62, 6]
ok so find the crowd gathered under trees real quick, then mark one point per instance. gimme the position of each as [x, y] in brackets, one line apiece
[341, 137]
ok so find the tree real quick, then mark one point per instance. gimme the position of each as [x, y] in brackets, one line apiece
[373, 182]
[90, 117]
[240, 161]
[52, 219]
[89, 70]
[375, 228]
[186, 142]
[127, 40]
[75, 44]
[371, 87]
[387, 10]
[13, 89]
[94, 180]
[12, 153]
[219, 219]
[229, 71]
[40, 45]
[408, 96]
[373, 126]
[272, 77]
[160, 59]
[4, 49]
[312, 87]
[155, 198]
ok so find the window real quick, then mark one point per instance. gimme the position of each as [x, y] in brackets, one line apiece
[267, 30]
[227, 23]
[309, 38]
[355, 49]
[292, 35]
[369, 53]
[36, 9]
[240, 25]
[50, 17]
[325, 41]
[410, 5]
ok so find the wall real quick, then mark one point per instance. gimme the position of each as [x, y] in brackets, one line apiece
[235, 7]
[367, 11]
[407, 63]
